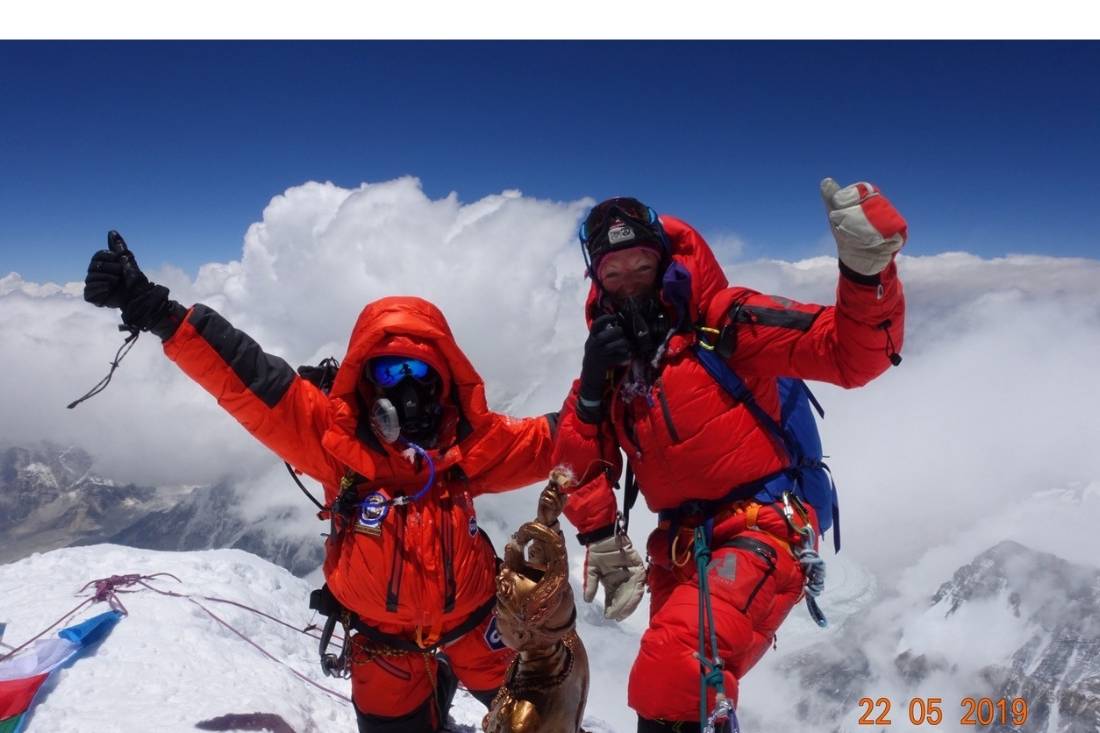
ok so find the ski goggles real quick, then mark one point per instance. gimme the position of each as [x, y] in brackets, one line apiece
[639, 224]
[387, 371]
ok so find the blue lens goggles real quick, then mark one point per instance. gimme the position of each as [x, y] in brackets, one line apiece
[386, 371]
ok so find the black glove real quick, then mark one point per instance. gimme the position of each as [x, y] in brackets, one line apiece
[114, 280]
[605, 349]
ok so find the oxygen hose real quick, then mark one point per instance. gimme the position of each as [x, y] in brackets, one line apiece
[400, 500]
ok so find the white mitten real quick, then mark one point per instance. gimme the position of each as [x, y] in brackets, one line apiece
[867, 228]
[614, 563]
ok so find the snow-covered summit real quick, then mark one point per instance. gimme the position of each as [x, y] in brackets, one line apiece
[169, 665]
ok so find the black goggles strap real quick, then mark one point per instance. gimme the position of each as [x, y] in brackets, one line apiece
[626, 208]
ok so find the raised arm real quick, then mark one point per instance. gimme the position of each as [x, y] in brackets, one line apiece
[283, 411]
[262, 392]
[847, 344]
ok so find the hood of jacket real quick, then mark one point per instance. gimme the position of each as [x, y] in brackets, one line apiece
[413, 327]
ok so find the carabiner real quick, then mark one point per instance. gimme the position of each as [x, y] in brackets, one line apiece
[334, 665]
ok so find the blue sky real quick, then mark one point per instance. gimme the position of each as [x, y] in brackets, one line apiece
[991, 147]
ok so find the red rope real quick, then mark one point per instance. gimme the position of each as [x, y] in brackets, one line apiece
[267, 654]
[35, 638]
[106, 590]
[243, 606]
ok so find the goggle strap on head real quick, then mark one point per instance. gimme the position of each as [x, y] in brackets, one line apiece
[629, 209]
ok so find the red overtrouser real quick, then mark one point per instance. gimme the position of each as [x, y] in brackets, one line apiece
[394, 683]
[749, 601]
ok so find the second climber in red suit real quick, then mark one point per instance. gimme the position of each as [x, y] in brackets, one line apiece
[402, 443]
[656, 288]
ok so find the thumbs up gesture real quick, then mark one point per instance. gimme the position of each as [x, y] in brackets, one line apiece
[868, 229]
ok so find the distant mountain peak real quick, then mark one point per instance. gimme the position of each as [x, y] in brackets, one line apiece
[1014, 622]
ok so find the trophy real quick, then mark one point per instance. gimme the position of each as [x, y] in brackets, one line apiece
[546, 687]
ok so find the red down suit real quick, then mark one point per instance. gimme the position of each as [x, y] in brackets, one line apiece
[429, 568]
[688, 440]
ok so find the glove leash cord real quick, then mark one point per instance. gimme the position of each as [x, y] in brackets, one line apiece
[119, 356]
[723, 718]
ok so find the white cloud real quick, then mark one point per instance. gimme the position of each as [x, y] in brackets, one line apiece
[727, 245]
[505, 270]
[995, 398]
[994, 401]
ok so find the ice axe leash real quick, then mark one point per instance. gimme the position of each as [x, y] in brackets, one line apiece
[117, 244]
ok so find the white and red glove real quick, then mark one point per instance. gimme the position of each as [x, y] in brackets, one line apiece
[616, 565]
[868, 229]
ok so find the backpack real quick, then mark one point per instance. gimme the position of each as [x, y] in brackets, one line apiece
[808, 476]
[796, 431]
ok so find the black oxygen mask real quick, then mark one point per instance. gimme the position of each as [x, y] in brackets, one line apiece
[408, 404]
[643, 320]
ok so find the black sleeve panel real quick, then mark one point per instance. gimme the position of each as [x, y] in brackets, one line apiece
[266, 376]
[783, 318]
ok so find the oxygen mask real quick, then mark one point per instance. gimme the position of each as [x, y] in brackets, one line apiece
[643, 321]
[408, 405]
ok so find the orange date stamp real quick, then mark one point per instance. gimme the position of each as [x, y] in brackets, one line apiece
[981, 711]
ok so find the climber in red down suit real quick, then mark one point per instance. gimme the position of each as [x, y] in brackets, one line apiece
[402, 443]
[700, 457]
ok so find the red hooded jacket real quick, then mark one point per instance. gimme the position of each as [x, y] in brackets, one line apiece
[429, 568]
[689, 439]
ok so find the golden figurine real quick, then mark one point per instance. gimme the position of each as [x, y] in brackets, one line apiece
[546, 687]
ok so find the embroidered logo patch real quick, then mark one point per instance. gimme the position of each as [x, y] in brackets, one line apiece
[492, 636]
[372, 512]
[724, 568]
[620, 233]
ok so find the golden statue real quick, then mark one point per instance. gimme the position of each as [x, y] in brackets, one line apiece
[546, 687]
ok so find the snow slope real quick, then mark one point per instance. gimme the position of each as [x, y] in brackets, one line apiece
[169, 665]
[170, 662]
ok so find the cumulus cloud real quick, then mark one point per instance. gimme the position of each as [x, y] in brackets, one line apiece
[994, 401]
[503, 269]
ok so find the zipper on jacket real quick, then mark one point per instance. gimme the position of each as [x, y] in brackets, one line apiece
[667, 412]
[448, 556]
[393, 590]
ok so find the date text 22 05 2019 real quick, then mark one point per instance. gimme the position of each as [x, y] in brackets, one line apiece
[929, 711]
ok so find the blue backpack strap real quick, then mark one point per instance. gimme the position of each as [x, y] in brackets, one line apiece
[723, 374]
[813, 400]
[836, 509]
[727, 378]
[832, 484]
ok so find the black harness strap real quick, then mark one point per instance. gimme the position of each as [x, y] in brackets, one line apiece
[402, 644]
[630, 494]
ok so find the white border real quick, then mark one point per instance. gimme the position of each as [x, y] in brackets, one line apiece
[565, 19]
